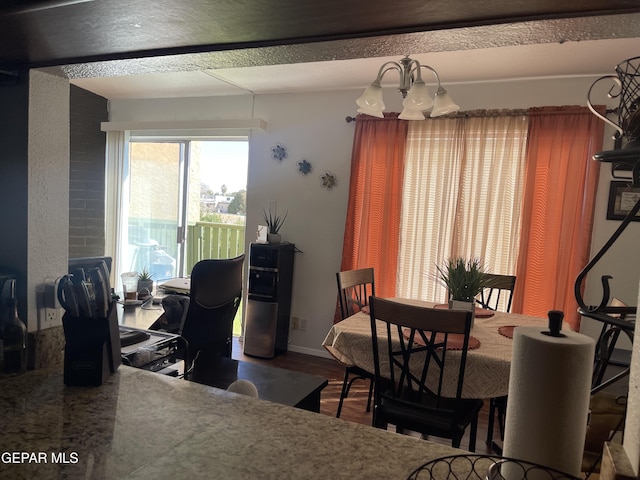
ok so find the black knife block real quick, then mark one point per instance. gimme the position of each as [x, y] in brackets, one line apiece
[92, 348]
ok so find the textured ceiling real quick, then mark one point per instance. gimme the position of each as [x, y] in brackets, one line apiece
[585, 46]
[257, 46]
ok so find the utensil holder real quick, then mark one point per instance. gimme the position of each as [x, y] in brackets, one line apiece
[92, 349]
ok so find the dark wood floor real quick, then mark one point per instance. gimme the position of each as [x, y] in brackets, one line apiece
[354, 407]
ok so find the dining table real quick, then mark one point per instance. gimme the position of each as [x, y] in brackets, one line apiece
[488, 355]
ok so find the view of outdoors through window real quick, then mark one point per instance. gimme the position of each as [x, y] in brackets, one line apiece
[189, 186]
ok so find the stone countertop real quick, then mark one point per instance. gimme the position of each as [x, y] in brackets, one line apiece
[142, 425]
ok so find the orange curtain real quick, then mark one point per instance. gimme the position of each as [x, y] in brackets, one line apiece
[372, 229]
[559, 194]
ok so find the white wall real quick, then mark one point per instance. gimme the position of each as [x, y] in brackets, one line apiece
[312, 126]
[48, 184]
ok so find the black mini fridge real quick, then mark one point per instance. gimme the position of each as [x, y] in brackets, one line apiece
[266, 330]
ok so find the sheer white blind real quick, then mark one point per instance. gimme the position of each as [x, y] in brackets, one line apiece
[461, 197]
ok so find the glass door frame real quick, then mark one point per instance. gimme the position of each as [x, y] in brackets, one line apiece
[118, 175]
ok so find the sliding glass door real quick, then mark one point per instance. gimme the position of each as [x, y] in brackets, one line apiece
[182, 200]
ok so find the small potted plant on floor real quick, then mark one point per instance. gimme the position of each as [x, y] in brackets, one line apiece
[464, 279]
[274, 223]
[145, 284]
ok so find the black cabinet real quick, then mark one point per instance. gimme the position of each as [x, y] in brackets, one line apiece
[266, 331]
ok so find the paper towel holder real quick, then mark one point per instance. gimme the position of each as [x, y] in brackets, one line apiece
[555, 323]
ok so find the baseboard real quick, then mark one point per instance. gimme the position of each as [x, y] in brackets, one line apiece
[310, 351]
[307, 351]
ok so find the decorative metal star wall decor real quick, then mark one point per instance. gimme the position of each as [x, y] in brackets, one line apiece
[279, 152]
[304, 167]
[328, 180]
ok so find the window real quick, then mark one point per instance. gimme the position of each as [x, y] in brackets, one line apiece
[462, 196]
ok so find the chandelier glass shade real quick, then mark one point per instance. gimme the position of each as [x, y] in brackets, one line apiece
[417, 98]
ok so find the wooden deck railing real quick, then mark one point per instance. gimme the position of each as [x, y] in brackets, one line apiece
[204, 240]
[213, 240]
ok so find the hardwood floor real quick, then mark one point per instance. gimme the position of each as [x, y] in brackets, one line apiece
[354, 407]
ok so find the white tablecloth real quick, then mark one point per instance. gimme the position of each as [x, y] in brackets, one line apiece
[487, 370]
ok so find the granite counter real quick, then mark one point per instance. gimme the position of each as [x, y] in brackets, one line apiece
[141, 425]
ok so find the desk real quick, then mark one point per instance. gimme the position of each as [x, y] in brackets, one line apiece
[487, 370]
[140, 425]
[159, 351]
[138, 316]
[277, 385]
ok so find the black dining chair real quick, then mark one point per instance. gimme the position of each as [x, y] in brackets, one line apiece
[619, 319]
[410, 355]
[215, 295]
[497, 295]
[609, 382]
[497, 288]
[354, 289]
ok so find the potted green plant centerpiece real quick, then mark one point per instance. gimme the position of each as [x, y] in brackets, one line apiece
[464, 279]
[274, 223]
[145, 281]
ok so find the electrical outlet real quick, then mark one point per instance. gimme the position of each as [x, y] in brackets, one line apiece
[51, 318]
[303, 324]
[294, 323]
[50, 315]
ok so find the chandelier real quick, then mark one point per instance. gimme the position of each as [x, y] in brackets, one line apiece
[417, 98]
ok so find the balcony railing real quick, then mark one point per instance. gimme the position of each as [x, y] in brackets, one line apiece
[205, 240]
[213, 240]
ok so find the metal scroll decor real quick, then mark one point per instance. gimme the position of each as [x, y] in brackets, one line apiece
[626, 87]
[328, 180]
[304, 167]
[279, 152]
[485, 467]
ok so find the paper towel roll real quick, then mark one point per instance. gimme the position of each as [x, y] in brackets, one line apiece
[549, 389]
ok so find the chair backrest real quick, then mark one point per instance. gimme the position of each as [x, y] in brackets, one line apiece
[174, 315]
[409, 349]
[498, 287]
[215, 295]
[612, 325]
[355, 287]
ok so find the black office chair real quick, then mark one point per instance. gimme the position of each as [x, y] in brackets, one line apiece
[354, 289]
[497, 295]
[416, 337]
[175, 312]
[216, 292]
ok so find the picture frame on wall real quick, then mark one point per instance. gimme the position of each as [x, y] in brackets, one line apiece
[622, 198]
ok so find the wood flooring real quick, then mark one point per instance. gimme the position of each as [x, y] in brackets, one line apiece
[354, 407]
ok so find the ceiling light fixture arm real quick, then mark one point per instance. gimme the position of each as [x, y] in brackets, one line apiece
[404, 71]
[409, 71]
[415, 94]
[435, 74]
